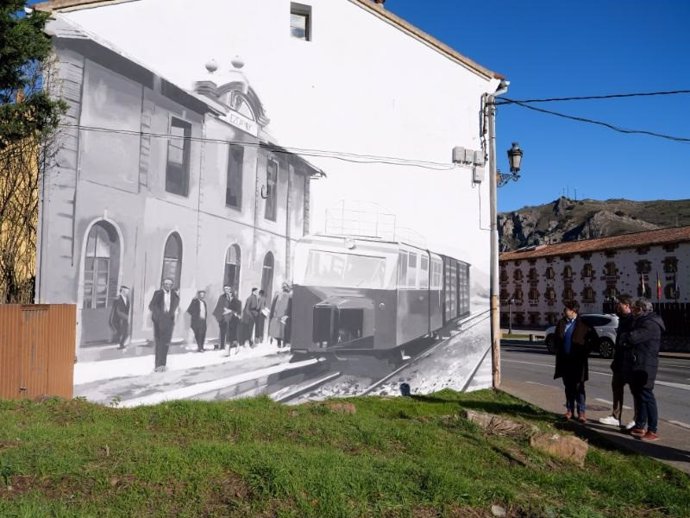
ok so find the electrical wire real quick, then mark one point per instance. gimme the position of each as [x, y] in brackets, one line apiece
[599, 123]
[504, 100]
[343, 156]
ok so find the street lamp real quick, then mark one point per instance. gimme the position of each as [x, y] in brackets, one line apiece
[497, 179]
[510, 316]
[515, 160]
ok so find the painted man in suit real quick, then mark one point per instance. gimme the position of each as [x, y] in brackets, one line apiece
[249, 315]
[119, 317]
[163, 306]
[227, 312]
[198, 311]
[261, 317]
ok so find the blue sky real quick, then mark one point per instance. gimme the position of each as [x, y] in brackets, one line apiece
[590, 47]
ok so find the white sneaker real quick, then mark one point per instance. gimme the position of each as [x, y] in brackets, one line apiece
[630, 425]
[610, 420]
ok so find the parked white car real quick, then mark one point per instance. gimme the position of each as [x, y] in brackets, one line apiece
[604, 325]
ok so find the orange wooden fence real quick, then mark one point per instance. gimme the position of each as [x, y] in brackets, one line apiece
[37, 346]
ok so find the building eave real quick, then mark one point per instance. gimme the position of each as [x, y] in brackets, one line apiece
[660, 237]
[368, 5]
[409, 29]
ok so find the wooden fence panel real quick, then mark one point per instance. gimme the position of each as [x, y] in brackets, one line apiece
[37, 345]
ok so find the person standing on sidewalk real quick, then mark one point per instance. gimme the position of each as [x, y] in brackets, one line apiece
[573, 340]
[198, 311]
[119, 317]
[645, 340]
[621, 366]
[163, 306]
[227, 312]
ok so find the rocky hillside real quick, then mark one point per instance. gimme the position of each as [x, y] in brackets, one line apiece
[571, 220]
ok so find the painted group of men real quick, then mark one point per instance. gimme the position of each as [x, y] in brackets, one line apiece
[238, 325]
[635, 363]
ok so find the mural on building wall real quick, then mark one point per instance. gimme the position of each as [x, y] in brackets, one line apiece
[186, 235]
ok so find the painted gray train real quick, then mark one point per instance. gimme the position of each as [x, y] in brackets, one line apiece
[366, 295]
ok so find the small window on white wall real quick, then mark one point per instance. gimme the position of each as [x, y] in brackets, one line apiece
[300, 21]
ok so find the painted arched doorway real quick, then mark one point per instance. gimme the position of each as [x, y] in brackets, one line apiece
[267, 276]
[100, 283]
[172, 260]
[233, 264]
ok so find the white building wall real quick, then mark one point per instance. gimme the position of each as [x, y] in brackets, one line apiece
[327, 93]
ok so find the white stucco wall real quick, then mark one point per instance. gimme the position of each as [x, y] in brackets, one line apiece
[360, 86]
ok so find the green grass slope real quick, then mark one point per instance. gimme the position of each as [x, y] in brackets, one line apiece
[400, 457]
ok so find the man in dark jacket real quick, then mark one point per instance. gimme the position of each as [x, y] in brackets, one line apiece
[644, 339]
[622, 363]
[227, 312]
[573, 341]
[163, 306]
[198, 311]
[119, 317]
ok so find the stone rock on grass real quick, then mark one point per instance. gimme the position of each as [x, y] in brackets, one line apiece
[498, 425]
[342, 408]
[567, 447]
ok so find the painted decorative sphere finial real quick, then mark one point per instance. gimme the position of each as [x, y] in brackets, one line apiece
[237, 62]
[211, 66]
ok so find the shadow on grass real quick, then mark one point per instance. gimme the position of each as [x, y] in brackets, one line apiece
[610, 439]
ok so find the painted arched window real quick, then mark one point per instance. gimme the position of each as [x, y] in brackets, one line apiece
[172, 259]
[567, 272]
[267, 275]
[101, 266]
[233, 262]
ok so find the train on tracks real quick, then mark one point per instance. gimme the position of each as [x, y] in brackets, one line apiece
[371, 296]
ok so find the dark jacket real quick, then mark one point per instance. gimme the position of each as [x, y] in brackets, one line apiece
[574, 365]
[194, 310]
[233, 304]
[157, 307]
[622, 356]
[119, 316]
[644, 340]
[251, 309]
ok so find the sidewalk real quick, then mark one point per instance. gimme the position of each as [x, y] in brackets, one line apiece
[129, 380]
[672, 448]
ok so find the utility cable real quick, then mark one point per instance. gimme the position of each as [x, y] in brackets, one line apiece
[504, 100]
[600, 123]
[343, 156]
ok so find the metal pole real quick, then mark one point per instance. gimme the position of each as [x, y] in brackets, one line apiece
[510, 316]
[494, 291]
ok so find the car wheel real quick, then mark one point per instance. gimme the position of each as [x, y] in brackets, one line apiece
[606, 348]
[550, 346]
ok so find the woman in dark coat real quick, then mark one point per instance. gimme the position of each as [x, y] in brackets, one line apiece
[644, 339]
[573, 341]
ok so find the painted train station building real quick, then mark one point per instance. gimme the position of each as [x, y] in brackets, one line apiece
[535, 281]
[152, 181]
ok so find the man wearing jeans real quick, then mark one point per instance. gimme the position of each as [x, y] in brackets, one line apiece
[644, 339]
[621, 365]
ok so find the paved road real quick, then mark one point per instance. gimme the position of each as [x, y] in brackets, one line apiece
[527, 363]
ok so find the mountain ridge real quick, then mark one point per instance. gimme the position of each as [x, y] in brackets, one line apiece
[565, 219]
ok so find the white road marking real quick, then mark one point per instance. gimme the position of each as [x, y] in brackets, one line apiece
[681, 386]
[682, 425]
[528, 363]
[535, 383]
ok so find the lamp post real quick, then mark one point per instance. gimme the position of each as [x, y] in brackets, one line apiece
[496, 179]
[510, 316]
